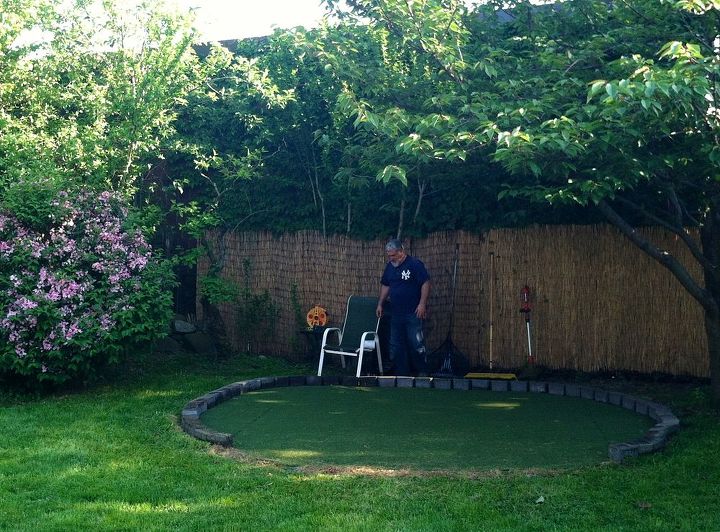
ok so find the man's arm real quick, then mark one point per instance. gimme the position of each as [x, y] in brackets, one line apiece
[384, 290]
[421, 310]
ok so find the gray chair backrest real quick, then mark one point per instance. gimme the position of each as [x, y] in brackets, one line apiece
[359, 318]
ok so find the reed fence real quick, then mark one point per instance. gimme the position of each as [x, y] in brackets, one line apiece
[598, 303]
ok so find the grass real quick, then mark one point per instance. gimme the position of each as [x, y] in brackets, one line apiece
[422, 428]
[112, 458]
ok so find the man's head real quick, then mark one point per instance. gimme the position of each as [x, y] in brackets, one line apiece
[395, 251]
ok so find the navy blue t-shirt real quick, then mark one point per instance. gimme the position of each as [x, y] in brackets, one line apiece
[405, 281]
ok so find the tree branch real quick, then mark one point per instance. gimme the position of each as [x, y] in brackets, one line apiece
[699, 293]
[678, 230]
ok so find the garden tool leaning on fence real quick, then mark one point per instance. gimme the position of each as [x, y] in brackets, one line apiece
[525, 309]
[447, 360]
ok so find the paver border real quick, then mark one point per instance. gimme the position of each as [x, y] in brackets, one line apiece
[653, 440]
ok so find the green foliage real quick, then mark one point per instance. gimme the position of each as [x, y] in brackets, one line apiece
[147, 219]
[311, 158]
[218, 290]
[297, 308]
[298, 315]
[76, 292]
[256, 313]
[33, 203]
[94, 101]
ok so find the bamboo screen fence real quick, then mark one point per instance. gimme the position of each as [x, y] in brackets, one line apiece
[598, 303]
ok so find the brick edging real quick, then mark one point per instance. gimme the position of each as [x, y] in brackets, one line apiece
[654, 439]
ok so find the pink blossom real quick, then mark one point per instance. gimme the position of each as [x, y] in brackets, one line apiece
[54, 294]
[72, 331]
[25, 303]
[69, 246]
[106, 322]
[70, 289]
[137, 262]
[79, 299]
[37, 248]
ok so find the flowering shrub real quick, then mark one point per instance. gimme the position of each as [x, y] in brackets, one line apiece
[74, 295]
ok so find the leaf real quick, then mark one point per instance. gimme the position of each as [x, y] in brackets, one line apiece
[534, 168]
[596, 87]
[694, 51]
[650, 87]
[671, 49]
[391, 172]
[611, 89]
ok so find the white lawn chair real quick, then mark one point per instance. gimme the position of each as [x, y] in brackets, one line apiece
[358, 334]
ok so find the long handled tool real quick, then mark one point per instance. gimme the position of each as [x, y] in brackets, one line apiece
[525, 309]
[448, 358]
[491, 363]
[492, 307]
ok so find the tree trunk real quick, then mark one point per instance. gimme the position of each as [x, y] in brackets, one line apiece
[349, 214]
[319, 194]
[708, 295]
[421, 195]
[401, 219]
[710, 238]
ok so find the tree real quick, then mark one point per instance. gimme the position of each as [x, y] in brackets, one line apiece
[581, 102]
[643, 149]
[94, 97]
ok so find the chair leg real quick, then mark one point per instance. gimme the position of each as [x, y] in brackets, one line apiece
[322, 358]
[379, 355]
[359, 367]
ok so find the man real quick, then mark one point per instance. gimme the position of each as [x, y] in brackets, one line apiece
[407, 283]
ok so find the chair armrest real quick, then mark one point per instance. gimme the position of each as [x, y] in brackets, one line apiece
[368, 336]
[328, 331]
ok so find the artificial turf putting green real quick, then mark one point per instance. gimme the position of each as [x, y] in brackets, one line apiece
[424, 429]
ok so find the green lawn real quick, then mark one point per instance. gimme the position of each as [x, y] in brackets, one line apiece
[423, 428]
[112, 458]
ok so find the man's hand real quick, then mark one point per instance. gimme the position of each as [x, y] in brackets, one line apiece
[379, 311]
[421, 311]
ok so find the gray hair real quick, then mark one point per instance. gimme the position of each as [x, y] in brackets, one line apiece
[394, 245]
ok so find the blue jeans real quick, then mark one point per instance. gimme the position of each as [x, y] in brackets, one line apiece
[407, 344]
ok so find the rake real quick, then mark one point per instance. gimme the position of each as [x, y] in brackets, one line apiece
[447, 358]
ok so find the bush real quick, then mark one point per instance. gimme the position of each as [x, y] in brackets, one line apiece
[75, 293]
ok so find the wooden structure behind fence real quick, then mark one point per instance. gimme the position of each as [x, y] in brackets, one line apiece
[598, 303]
